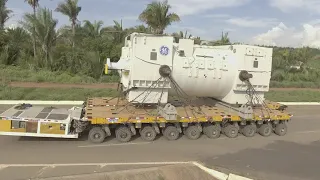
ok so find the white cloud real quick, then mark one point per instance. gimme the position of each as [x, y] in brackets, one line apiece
[15, 17]
[190, 7]
[250, 22]
[191, 30]
[281, 35]
[312, 6]
[216, 16]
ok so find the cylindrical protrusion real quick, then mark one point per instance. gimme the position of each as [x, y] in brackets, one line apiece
[244, 76]
[165, 71]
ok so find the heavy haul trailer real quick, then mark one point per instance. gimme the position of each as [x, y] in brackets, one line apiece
[170, 88]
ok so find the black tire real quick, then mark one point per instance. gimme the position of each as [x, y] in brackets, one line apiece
[265, 130]
[171, 133]
[192, 132]
[148, 133]
[97, 135]
[231, 131]
[212, 131]
[281, 129]
[123, 134]
[249, 130]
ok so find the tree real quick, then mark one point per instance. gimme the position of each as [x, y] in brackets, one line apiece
[157, 16]
[42, 26]
[117, 32]
[93, 29]
[224, 40]
[16, 42]
[71, 9]
[34, 4]
[4, 13]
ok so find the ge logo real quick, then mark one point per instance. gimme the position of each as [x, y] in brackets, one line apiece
[164, 50]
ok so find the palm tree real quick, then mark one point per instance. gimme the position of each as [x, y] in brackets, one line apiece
[4, 13]
[157, 16]
[117, 31]
[16, 42]
[92, 29]
[42, 26]
[71, 9]
[181, 35]
[34, 4]
[224, 40]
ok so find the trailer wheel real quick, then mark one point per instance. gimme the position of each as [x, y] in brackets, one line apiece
[212, 131]
[192, 132]
[123, 134]
[249, 130]
[265, 130]
[97, 135]
[148, 133]
[171, 133]
[281, 129]
[231, 131]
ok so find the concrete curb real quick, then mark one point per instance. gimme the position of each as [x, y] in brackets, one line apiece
[216, 174]
[219, 175]
[39, 102]
[236, 177]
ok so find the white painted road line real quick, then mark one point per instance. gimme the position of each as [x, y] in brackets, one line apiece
[213, 173]
[108, 145]
[307, 132]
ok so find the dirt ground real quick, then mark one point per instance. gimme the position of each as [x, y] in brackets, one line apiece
[105, 86]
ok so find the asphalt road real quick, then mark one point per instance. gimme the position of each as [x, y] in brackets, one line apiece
[292, 157]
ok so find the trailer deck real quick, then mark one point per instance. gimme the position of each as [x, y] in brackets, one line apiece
[100, 115]
[35, 121]
[105, 111]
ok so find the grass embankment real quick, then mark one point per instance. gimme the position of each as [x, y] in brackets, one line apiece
[9, 74]
[294, 95]
[79, 94]
[72, 94]
[18, 74]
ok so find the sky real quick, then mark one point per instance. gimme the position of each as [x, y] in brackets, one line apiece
[291, 23]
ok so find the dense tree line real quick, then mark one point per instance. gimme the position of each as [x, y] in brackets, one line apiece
[82, 47]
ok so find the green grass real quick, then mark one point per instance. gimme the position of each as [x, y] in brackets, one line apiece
[73, 94]
[294, 96]
[294, 84]
[79, 94]
[11, 73]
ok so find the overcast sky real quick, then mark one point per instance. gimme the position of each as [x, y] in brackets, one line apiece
[269, 22]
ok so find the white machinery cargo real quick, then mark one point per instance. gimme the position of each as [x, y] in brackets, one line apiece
[152, 68]
[202, 71]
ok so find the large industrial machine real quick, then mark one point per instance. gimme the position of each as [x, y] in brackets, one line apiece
[168, 88]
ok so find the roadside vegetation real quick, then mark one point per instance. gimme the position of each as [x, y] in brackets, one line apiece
[76, 52]
[72, 94]
[81, 94]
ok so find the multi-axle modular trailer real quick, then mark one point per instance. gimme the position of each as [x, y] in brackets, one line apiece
[168, 88]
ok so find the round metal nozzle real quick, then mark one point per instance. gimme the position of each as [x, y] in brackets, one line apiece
[244, 75]
[164, 71]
